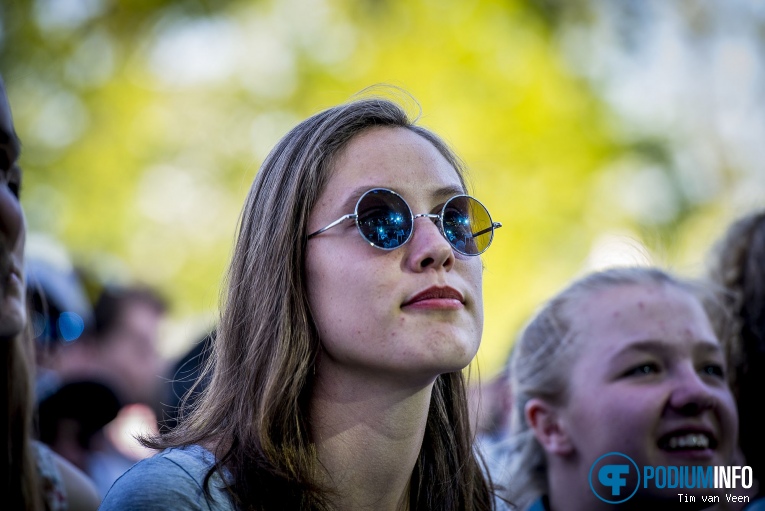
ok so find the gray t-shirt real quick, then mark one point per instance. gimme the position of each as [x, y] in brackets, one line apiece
[172, 479]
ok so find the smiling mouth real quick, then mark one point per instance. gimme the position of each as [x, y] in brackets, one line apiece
[687, 441]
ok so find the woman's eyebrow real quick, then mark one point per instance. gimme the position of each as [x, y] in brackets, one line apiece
[709, 347]
[449, 191]
[645, 346]
[350, 202]
[655, 346]
[443, 193]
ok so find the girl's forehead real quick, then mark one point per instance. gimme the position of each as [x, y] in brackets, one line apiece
[394, 158]
[610, 318]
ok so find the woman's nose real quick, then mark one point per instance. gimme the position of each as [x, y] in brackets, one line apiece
[428, 248]
[691, 394]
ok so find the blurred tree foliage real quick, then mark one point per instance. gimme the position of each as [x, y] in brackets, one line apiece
[687, 81]
[144, 123]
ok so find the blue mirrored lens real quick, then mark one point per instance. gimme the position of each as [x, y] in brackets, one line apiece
[384, 219]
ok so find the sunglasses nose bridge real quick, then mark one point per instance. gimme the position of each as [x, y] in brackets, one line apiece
[437, 221]
[436, 218]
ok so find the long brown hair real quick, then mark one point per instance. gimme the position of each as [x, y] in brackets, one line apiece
[254, 410]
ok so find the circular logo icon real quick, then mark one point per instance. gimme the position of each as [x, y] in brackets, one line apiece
[614, 478]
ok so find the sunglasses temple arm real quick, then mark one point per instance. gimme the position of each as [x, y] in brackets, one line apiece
[495, 225]
[330, 226]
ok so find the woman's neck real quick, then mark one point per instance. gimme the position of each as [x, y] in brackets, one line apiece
[368, 435]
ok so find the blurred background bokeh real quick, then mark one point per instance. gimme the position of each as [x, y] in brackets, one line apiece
[597, 132]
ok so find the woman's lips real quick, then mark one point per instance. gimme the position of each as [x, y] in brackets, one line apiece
[436, 297]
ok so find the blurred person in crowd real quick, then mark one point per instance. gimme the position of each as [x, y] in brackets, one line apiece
[72, 419]
[491, 404]
[36, 478]
[353, 305]
[738, 266]
[121, 347]
[625, 360]
[60, 309]
[110, 385]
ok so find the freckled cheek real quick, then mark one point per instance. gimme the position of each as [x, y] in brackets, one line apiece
[627, 429]
[472, 273]
[620, 412]
[323, 298]
[348, 296]
[478, 318]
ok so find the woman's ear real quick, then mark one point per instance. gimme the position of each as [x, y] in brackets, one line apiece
[549, 429]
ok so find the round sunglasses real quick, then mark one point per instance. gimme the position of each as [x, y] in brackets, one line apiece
[386, 221]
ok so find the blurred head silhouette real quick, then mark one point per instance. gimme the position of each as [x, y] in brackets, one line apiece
[120, 347]
[12, 228]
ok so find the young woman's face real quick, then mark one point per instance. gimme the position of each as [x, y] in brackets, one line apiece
[368, 303]
[649, 380]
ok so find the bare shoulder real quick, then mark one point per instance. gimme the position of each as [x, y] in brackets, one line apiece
[81, 492]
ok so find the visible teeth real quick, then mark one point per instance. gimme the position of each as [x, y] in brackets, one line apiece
[693, 440]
